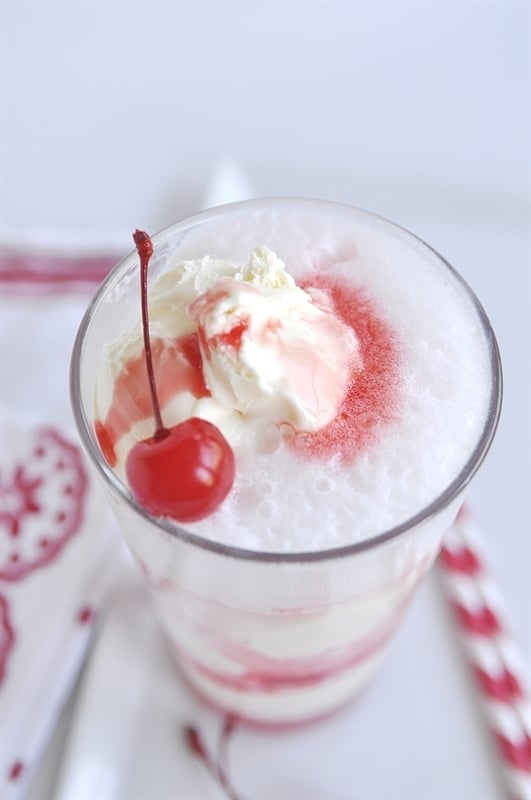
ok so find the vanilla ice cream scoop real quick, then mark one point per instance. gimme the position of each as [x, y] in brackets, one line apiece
[242, 347]
[272, 350]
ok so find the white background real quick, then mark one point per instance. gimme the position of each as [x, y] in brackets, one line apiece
[115, 113]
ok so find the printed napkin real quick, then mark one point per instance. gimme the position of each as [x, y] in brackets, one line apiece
[58, 550]
[59, 547]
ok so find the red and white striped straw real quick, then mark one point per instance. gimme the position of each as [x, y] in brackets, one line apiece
[490, 649]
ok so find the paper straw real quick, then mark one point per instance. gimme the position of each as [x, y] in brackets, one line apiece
[491, 651]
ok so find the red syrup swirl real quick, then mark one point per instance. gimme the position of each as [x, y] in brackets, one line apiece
[372, 397]
[258, 673]
[177, 367]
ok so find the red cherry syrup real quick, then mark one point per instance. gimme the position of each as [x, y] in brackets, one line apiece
[372, 399]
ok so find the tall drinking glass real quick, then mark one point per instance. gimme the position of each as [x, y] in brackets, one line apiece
[275, 638]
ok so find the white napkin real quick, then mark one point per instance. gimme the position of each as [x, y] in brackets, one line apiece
[57, 549]
[58, 552]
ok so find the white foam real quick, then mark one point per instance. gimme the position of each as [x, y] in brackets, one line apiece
[281, 502]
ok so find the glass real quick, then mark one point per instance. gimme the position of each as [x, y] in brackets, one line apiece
[277, 639]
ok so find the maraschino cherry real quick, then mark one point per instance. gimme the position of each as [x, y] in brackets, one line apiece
[184, 472]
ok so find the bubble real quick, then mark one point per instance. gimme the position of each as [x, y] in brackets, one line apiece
[248, 498]
[440, 390]
[267, 437]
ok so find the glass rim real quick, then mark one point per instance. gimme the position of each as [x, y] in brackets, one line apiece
[444, 499]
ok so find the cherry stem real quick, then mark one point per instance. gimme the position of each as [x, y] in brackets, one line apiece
[229, 724]
[217, 767]
[144, 248]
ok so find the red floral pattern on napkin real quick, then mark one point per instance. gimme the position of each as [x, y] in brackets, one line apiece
[41, 503]
[58, 552]
[7, 635]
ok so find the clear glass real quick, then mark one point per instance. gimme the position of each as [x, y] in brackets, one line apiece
[277, 639]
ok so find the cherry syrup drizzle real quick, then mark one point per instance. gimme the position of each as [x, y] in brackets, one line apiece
[217, 766]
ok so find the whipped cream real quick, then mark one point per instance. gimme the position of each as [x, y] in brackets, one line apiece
[272, 350]
[275, 358]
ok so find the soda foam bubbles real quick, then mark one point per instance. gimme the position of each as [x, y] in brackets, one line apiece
[438, 382]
